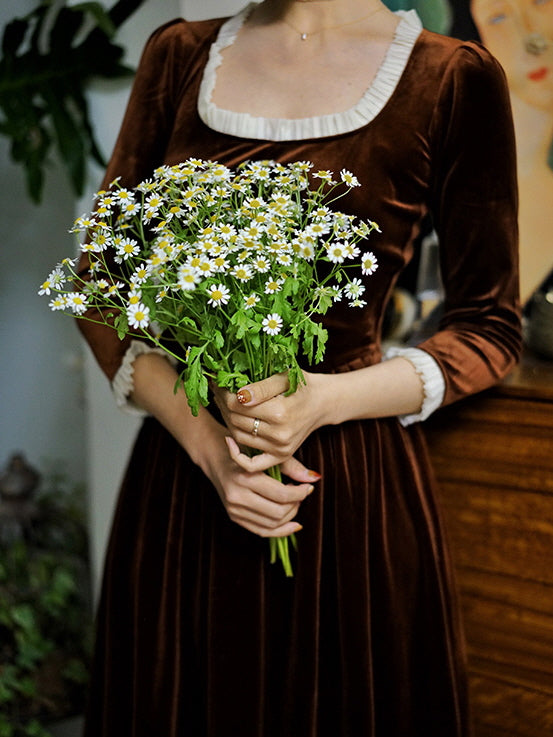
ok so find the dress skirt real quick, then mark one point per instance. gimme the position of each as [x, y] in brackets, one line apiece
[200, 636]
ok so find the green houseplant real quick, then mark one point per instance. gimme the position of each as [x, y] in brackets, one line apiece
[48, 58]
[45, 613]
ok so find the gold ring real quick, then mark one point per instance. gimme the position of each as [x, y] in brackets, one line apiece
[255, 427]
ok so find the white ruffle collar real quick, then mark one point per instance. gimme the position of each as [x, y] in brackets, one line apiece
[244, 125]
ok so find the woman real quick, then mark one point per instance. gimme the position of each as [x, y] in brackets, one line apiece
[520, 34]
[197, 633]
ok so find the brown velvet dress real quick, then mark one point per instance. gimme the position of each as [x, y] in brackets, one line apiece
[198, 635]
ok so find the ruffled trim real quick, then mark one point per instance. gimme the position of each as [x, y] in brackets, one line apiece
[244, 125]
[433, 383]
[122, 384]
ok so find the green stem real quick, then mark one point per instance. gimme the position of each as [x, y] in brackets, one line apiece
[279, 547]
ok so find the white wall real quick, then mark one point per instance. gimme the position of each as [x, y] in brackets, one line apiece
[41, 391]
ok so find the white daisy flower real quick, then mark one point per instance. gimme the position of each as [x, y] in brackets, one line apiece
[220, 173]
[251, 301]
[218, 295]
[357, 303]
[129, 209]
[307, 251]
[134, 297]
[354, 289]
[336, 253]
[318, 229]
[114, 288]
[146, 186]
[352, 250]
[322, 213]
[138, 315]
[221, 263]
[243, 272]
[154, 202]
[226, 231]
[261, 264]
[272, 324]
[301, 166]
[82, 223]
[254, 203]
[325, 176]
[141, 273]
[206, 267]
[260, 218]
[273, 285]
[187, 278]
[46, 287]
[161, 295]
[349, 179]
[127, 248]
[124, 195]
[58, 303]
[101, 241]
[369, 263]
[252, 232]
[284, 259]
[274, 230]
[76, 301]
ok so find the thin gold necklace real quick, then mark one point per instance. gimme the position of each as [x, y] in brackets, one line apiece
[304, 36]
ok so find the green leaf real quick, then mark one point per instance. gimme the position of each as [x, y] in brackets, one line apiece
[102, 18]
[195, 381]
[295, 377]
[121, 324]
[43, 94]
[68, 135]
[232, 380]
[23, 616]
[35, 729]
[13, 36]
[7, 728]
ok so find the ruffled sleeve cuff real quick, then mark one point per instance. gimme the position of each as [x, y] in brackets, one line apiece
[123, 381]
[433, 383]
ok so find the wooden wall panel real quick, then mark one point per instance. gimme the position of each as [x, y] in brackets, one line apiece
[493, 456]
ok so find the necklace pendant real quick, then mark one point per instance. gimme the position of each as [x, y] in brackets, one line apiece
[303, 36]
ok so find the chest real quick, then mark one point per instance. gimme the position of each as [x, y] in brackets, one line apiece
[298, 81]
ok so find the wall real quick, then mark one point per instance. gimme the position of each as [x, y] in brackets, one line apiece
[41, 390]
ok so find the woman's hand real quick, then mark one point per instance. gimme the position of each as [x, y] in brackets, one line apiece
[253, 499]
[261, 417]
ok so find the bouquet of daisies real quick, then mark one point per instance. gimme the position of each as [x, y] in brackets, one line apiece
[226, 270]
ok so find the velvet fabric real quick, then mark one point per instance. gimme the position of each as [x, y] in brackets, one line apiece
[198, 635]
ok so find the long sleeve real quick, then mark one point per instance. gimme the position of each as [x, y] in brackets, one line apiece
[474, 204]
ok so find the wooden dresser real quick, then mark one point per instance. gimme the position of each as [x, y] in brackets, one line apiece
[493, 456]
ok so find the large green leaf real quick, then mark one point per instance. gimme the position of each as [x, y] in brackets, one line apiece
[43, 91]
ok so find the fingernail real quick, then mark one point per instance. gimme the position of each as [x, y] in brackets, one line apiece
[314, 475]
[311, 489]
[298, 528]
[243, 396]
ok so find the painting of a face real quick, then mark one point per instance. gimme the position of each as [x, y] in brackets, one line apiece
[520, 34]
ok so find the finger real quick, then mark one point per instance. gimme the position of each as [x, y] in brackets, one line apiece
[295, 470]
[266, 486]
[289, 528]
[254, 394]
[253, 464]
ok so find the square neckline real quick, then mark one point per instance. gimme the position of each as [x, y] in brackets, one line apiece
[371, 103]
